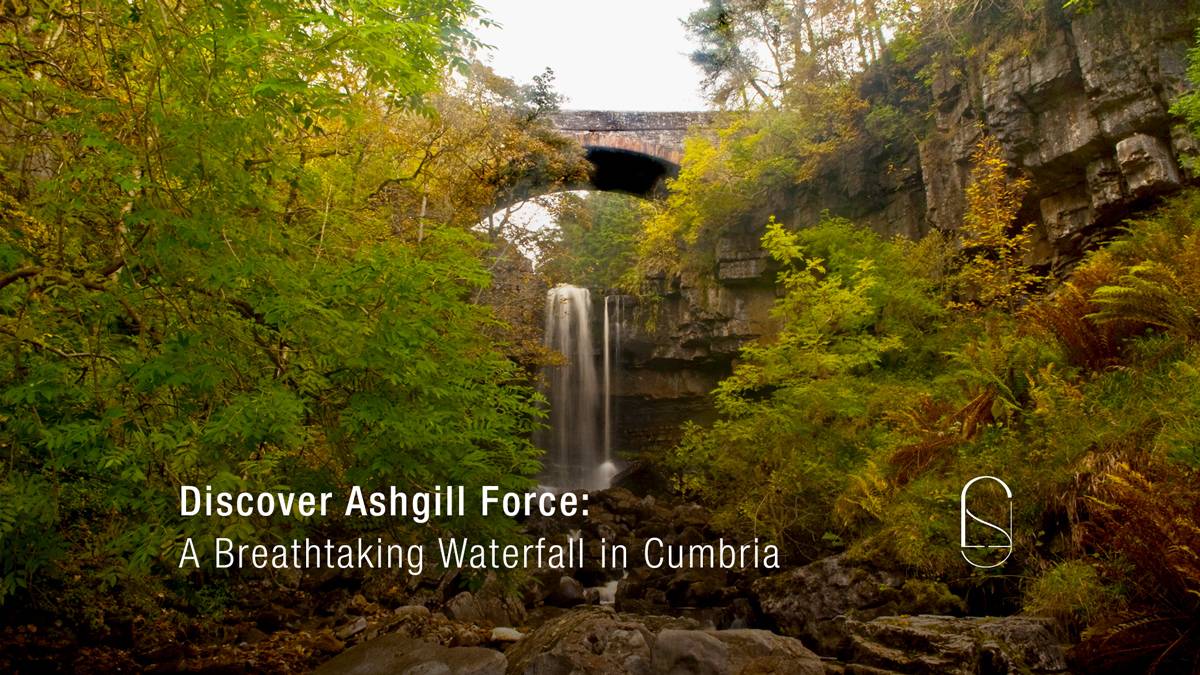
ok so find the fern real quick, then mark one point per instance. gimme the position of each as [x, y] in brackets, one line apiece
[1151, 293]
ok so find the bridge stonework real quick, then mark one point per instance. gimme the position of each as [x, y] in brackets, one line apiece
[655, 134]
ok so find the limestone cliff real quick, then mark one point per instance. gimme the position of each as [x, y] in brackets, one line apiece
[1080, 101]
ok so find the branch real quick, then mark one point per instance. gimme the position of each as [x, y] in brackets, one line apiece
[17, 275]
[42, 346]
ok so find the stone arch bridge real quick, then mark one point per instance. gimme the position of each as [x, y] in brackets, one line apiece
[631, 151]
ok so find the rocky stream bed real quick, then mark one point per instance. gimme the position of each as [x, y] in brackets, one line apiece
[834, 615]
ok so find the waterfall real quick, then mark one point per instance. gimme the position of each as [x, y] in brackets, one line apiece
[579, 441]
[572, 441]
[612, 355]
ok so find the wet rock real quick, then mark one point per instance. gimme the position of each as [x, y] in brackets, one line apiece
[586, 640]
[956, 645]
[251, 635]
[1105, 185]
[643, 590]
[641, 477]
[690, 515]
[741, 259]
[1085, 94]
[351, 629]
[1067, 213]
[591, 596]
[814, 602]
[412, 613]
[172, 651]
[274, 617]
[761, 651]
[324, 642]
[620, 501]
[392, 654]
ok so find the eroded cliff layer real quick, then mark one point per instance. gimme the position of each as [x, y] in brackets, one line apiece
[1080, 101]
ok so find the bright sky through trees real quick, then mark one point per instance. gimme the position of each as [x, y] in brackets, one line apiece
[615, 55]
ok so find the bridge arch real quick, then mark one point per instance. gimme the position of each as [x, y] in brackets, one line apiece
[630, 151]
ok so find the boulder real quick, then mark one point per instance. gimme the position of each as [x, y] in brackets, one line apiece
[568, 592]
[684, 652]
[599, 640]
[504, 634]
[396, 655]
[488, 606]
[813, 602]
[587, 640]
[761, 651]
[956, 645]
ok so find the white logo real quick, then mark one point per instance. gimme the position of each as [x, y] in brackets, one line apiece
[964, 513]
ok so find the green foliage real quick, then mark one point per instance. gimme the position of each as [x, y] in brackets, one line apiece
[751, 161]
[595, 240]
[1079, 6]
[1187, 106]
[899, 371]
[795, 410]
[200, 282]
[875, 405]
[1159, 289]
[1073, 592]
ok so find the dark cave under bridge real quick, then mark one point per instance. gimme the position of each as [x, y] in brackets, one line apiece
[631, 151]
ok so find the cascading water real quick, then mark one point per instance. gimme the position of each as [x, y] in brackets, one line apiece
[612, 353]
[579, 441]
[571, 442]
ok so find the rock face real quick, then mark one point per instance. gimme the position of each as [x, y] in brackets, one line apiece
[816, 602]
[671, 362]
[1080, 102]
[1081, 105]
[598, 640]
[956, 646]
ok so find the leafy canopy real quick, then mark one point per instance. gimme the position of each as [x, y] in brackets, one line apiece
[201, 282]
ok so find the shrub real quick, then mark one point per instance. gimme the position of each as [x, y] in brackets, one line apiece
[1073, 592]
[995, 272]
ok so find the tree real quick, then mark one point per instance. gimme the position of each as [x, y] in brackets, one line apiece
[792, 415]
[762, 52]
[201, 281]
[996, 272]
[594, 239]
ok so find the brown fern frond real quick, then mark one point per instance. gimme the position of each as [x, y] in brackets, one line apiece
[938, 428]
[1143, 643]
[932, 423]
[912, 460]
[1146, 517]
[1066, 316]
[977, 414]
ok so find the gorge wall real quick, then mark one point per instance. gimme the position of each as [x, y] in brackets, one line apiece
[1079, 100]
